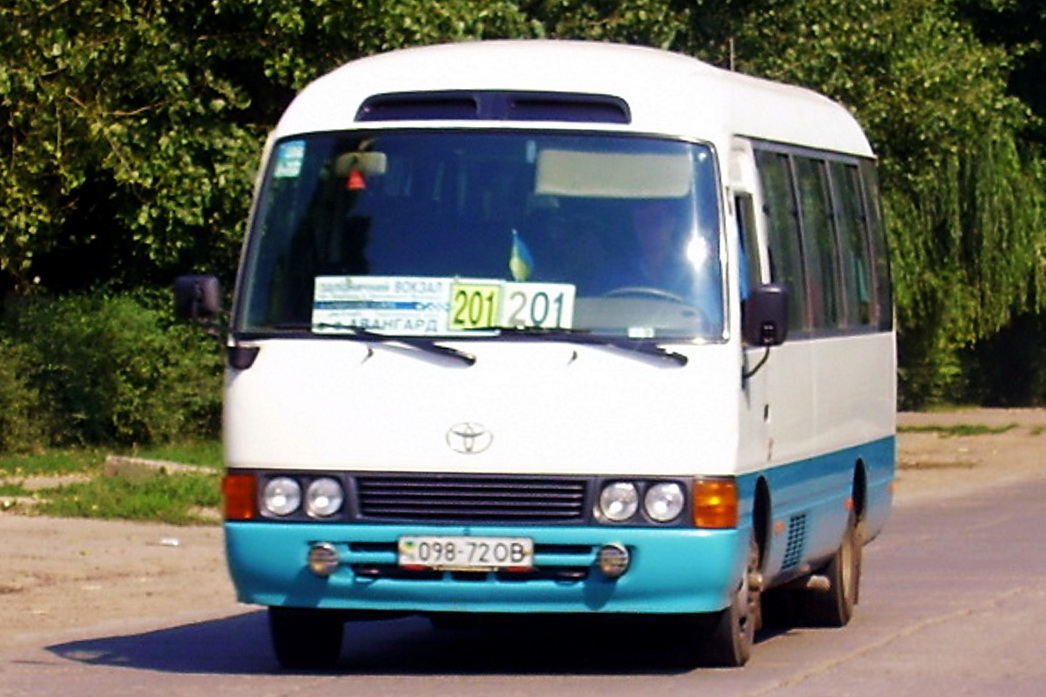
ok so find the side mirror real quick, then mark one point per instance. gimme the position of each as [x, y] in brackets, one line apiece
[197, 297]
[765, 315]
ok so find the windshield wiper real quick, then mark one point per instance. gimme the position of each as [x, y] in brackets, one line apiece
[419, 343]
[645, 347]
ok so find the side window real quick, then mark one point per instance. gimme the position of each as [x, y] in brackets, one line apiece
[853, 243]
[822, 267]
[825, 239]
[786, 260]
[750, 270]
[883, 315]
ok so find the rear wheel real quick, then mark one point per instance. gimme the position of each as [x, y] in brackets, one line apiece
[305, 638]
[835, 608]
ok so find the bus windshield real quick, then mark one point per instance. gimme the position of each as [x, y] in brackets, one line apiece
[472, 233]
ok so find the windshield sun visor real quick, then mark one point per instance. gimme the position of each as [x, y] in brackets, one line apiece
[577, 173]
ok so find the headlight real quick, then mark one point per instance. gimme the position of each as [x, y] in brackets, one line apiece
[664, 502]
[323, 497]
[281, 496]
[619, 501]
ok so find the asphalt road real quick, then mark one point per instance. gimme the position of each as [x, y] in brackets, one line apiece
[953, 603]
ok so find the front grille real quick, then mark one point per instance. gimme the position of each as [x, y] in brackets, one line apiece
[471, 498]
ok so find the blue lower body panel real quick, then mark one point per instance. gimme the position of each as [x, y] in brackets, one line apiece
[672, 570]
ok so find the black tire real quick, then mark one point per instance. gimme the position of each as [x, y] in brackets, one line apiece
[306, 639]
[836, 607]
[724, 639]
[731, 634]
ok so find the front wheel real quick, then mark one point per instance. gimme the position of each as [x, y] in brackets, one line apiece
[725, 639]
[732, 633]
[305, 639]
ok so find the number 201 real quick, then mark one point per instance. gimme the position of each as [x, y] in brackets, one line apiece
[535, 310]
[474, 307]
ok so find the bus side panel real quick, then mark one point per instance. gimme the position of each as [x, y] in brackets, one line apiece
[855, 398]
[673, 570]
[810, 502]
[880, 458]
[832, 415]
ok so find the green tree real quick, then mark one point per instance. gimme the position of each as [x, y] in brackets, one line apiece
[658, 23]
[1019, 27]
[118, 137]
[130, 130]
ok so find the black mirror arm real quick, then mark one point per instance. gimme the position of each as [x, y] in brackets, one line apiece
[746, 374]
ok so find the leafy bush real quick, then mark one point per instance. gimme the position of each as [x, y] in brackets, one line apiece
[114, 368]
[21, 428]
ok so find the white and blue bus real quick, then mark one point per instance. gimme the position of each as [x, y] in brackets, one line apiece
[561, 328]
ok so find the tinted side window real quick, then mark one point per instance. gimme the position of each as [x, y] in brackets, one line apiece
[826, 239]
[822, 267]
[852, 224]
[883, 315]
[786, 261]
[751, 273]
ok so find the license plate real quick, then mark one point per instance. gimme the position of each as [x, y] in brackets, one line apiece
[466, 553]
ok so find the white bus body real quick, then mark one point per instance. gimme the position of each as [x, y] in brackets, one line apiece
[447, 395]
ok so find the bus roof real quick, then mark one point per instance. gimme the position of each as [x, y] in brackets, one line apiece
[666, 93]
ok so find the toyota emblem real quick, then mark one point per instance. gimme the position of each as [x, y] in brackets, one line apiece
[469, 438]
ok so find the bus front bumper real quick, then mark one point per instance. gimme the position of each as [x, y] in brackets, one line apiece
[670, 570]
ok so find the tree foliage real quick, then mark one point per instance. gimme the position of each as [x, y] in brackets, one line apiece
[114, 124]
[129, 129]
[1018, 26]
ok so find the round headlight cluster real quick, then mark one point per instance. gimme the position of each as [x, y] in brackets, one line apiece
[322, 498]
[619, 501]
[662, 502]
[282, 496]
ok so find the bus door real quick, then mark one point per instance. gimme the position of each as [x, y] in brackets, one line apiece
[754, 448]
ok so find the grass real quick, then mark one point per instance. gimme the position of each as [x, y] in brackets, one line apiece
[12, 489]
[52, 463]
[958, 429]
[903, 464]
[178, 498]
[91, 460]
[166, 498]
[203, 453]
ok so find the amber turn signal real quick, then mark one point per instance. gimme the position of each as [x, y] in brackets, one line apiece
[715, 503]
[238, 491]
